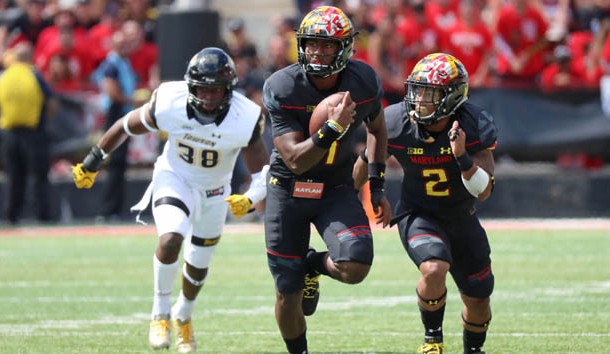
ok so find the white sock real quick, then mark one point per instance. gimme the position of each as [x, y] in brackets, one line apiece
[183, 309]
[164, 278]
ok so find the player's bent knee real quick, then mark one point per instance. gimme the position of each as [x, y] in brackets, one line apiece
[434, 270]
[288, 273]
[170, 243]
[352, 272]
[289, 300]
[480, 288]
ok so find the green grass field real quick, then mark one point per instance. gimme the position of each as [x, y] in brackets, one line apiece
[71, 292]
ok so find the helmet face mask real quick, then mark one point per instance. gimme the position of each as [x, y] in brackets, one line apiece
[436, 88]
[326, 23]
[211, 67]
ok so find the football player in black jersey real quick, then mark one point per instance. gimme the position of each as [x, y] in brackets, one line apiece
[443, 144]
[310, 177]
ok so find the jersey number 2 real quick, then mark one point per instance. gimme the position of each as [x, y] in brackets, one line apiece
[436, 176]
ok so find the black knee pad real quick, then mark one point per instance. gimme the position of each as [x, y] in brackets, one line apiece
[478, 286]
[288, 273]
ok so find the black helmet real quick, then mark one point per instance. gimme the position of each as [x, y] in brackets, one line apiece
[210, 67]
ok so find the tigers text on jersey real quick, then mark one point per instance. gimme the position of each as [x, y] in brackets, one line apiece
[202, 154]
[432, 180]
[290, 99]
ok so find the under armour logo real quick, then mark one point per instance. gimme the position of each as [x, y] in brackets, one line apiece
[214, 135]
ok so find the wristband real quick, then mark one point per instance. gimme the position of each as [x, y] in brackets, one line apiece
[325, 136]
[363, 155]
[377, 171]
[94, 159]
[334, 125]
[464, 162]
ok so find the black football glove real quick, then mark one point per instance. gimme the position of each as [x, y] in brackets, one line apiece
[376, 181]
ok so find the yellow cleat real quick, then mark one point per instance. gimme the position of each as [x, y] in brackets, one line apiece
[311, 294]
[185, 338]
[431, 348]
[159, 332]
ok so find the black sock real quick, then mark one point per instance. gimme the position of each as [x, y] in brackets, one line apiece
[297, 345]
[316, 262]
[433, 324]
[473, 341]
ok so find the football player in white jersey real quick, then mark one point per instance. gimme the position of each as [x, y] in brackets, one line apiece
[207, 124]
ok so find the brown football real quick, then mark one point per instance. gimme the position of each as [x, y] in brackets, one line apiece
[320, 113]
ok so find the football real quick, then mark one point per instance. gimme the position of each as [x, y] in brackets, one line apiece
[320, 113]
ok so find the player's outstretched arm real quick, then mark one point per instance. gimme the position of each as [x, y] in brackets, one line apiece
[133, 123]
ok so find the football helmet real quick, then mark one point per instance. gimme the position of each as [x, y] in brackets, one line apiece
[329, 23]
[210, 67]
[437, 86]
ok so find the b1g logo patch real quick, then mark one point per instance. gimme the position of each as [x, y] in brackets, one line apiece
[215, 192]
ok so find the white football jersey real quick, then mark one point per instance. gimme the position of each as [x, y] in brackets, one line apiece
[202, 154]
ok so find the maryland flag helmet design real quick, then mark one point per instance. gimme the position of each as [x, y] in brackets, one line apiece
[328, 23]
[436, 88]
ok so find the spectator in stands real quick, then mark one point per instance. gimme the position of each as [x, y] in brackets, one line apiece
[442, 14]
[603, 36]
[26, 27]
[560, 74]
[520, 41]
[285, 26]
[588, 14]
[85, 16]
[26, 102]
[419, 35]
[100, 35]
[144, 55]
[387, 56]
[143, 13]
[76, 56]
[239, 44]
[64, 18]
[117, 82]
[470, 40]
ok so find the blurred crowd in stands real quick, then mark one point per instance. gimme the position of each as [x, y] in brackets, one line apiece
[549, 44]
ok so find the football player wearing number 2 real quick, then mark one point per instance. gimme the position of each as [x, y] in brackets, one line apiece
[444, 147]
[208, 124]
[310, 178]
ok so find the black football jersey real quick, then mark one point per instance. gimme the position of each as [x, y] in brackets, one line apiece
[290, 100]
[432, 179]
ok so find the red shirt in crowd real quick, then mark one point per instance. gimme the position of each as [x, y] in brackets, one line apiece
[519, 32]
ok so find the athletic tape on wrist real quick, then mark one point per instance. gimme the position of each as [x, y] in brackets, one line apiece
[258, 186]
[477, 182]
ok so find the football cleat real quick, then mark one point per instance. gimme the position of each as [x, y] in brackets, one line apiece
[159, 332]
[311, 294]
[185, 338]
[431, 348]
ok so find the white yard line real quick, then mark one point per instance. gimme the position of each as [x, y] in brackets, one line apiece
[250, 228]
